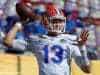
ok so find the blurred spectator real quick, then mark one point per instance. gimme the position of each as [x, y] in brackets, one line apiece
[70, 5]
[9, 7]
[92, 55]
[2, 3]
[73, 22]
[95, 14]
[83, 8]
[94, 8]
[46, 1]
[10, 12]
[59, 4]
[3, 23]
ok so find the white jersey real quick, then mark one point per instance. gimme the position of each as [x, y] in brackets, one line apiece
[53, 53]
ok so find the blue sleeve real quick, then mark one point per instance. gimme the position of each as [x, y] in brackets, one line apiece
[34, 28]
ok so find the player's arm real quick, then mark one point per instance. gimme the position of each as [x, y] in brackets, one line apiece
[81, 59]
[11, 41]
[85, 64]
[10, 36]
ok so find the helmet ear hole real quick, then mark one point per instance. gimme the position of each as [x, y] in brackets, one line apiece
[45, 20]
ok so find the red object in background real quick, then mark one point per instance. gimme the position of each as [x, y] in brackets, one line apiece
[25, 1]
[96, 22]
[74, 15]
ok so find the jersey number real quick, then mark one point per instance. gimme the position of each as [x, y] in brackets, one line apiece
[58, 54]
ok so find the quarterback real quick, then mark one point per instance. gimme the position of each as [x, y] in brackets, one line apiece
[55, 49]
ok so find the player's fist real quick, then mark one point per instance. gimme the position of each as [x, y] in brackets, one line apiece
[83, 37]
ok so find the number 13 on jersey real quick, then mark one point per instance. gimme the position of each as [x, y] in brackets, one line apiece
[58, 53]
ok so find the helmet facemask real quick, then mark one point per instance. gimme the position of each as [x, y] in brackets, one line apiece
[57, 24]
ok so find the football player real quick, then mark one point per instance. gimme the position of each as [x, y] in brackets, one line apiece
[54, 50]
